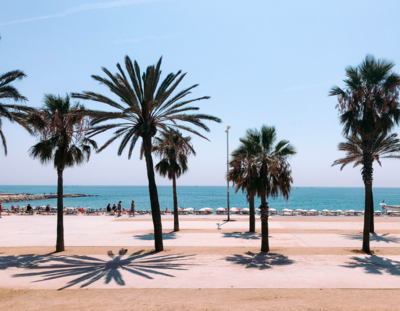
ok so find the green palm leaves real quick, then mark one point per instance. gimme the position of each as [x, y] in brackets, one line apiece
[146, 105]
[259, 153]
[12, 112]
[383, 147]
[61, 127]
[173, 149]
[370, 100]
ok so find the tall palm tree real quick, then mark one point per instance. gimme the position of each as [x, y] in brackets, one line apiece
[273, 169]
[384, 146]
[368, 103]
[173, 150]
[12, 112]
[61, 127]
[243, 174]
[145, 107]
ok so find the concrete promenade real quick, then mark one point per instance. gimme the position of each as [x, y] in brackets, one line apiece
[206, 253]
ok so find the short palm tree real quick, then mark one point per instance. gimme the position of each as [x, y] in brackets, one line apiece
[173, 150]
[11, 112]
[61, 127]
[145, 107]
[369, 103]
[274, 174]
[244, 174]
[384, 146]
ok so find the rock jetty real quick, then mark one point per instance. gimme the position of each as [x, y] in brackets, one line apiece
[17, 197]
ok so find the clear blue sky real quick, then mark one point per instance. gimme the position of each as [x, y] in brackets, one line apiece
[262, 62]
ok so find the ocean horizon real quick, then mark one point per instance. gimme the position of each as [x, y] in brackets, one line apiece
[319, 198]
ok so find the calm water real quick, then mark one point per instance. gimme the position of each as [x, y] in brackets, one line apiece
[214, 197]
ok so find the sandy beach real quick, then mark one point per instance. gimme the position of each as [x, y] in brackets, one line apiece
[312, 262]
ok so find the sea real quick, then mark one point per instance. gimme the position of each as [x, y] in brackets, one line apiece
[207, 196]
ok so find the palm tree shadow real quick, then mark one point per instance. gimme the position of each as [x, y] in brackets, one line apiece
[260, 261]
[150, 236]
[243, 235]
[374, 237]
[375, 265]
[89, 270]
[22, 261]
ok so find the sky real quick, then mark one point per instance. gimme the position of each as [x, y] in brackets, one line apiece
[262, 62]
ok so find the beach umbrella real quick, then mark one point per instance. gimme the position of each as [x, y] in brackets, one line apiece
[285, 210]
[179, 208]
[245, 209]
[299, 210]
[351, 211]
[189, 209]
[220, 209]
[204, 209]
[208, 209]
[325, 210]
[272, 209]
[313, 210]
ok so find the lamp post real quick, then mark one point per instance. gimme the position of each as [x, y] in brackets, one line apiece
[227, 167]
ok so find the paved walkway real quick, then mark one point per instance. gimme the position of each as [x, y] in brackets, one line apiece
[191, 269]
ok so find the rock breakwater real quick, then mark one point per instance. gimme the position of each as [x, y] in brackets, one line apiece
[18, 197]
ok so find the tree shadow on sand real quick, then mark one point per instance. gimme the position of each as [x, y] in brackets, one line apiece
[150, 236]
[243, 235]
[375, 265]
[89, 270]
[260, 261]
[374, 237]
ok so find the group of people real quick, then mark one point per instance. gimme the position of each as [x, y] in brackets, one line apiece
[29, 208]
[118, 209]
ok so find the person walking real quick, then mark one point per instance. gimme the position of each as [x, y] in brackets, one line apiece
[119, 209]
[48, 209]
[132, 208]
[109, 208]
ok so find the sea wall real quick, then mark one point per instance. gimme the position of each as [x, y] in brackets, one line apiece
[5, 198]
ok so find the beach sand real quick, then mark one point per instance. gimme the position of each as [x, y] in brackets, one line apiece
[200, 299]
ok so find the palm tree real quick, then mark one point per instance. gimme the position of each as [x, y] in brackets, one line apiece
[146, 107]
[11, 112]
[369, 103]
[243, 174]
[173, 150]
[384, 146]
[274, 174]
[61, 127]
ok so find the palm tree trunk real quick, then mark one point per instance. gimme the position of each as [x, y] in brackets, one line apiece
[60, 212]
[264, 225]
[176, 219]
[155, 205]
[252, 219]
[372, 224]
[367, 172]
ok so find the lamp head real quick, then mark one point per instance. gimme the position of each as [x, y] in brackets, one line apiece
[228, 128]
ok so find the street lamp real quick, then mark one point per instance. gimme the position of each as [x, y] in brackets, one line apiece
[227, 166]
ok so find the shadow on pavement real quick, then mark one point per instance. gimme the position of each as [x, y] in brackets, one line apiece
[150, 236]
[243, 235]
[374, 237]
[375, 265]
[260, 261]
[87, 270]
